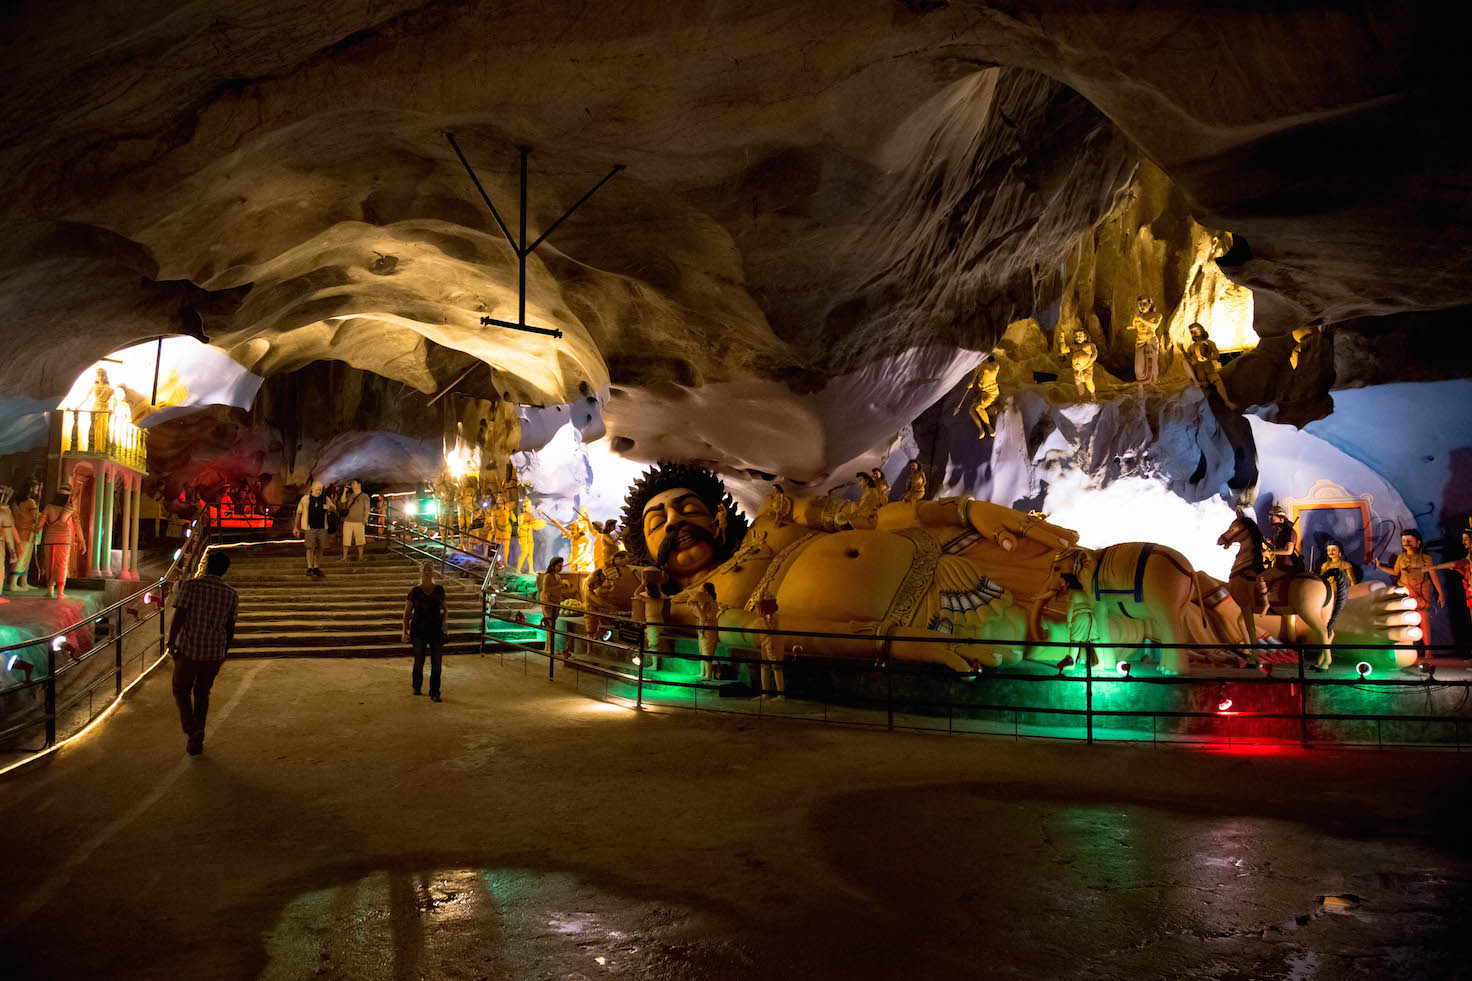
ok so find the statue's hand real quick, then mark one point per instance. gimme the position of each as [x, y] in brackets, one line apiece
[1375, 614]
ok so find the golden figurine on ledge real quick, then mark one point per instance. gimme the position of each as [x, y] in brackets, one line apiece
[1203, 362]
[1082, 354]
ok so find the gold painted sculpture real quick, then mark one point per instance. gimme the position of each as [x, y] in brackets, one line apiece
[1147, 343]
[777, 506]
[986, 392]
[873, 496]
[527, 526]
[579, 536]
[1203, 362]
[914, 483]
[941, 571]
[1082, 354]
[103, 395]
[605, 545]
[503, 527]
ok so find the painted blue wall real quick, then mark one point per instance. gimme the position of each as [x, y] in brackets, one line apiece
[1418, 436]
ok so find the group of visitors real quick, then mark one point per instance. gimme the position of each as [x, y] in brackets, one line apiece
[351, 505]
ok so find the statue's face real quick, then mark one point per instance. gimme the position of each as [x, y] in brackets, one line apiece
[316, 488]
[1334, 553]
[1467, 540]
[680, 531]
[1409, 544]
[1079, 337]
[877, 474]
[1144, 304]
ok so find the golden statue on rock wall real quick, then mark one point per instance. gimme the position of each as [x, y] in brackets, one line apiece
[1082, 354]
[987, 391]
[926, 577]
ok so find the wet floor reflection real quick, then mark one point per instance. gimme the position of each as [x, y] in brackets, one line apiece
[471, 923]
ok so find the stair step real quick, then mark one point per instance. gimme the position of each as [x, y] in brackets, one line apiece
[357, 650]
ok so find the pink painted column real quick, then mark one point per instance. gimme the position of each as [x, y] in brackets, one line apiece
[125, 489]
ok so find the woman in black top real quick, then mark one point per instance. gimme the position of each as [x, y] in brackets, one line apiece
[424, 623]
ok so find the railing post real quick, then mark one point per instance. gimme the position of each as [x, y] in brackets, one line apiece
[639, 660]
[118, 652]
[50, 696]
[481, 643]
[1302, 702]
[888, 683]
[1088, 694]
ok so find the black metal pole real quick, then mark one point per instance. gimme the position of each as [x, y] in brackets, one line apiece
[157, 357]
[889, 684]
[568, 213]
[1302, 702]
[1089, 695]
[50, 697]
[483, 195]
[118, 653]
[642, 657]
[521, 249]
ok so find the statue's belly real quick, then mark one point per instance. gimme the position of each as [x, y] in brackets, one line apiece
[848, 575]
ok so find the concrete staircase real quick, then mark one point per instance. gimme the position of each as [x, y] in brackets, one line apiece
[356, 611]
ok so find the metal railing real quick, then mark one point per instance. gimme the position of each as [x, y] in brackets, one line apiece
[105, 433]
[1300, 708]
[106, 629]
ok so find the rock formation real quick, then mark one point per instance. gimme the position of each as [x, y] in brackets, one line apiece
[829, 209]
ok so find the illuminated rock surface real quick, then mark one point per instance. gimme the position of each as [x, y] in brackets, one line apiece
[810, 189]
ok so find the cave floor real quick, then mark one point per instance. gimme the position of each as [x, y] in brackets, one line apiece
[338, 827]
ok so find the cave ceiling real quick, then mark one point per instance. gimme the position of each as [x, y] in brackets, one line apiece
[826, 206]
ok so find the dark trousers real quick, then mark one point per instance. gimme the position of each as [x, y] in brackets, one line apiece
[192, 683]
[435, 646]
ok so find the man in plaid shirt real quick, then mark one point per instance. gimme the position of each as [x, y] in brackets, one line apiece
[203, 628]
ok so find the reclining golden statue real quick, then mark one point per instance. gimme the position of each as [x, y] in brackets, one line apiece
[932, 578]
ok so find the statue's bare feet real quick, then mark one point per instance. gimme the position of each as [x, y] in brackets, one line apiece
[1378, 615]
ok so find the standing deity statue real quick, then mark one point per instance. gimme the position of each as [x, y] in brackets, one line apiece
[103, 395]
[702, 601]
[26, 515]
[986, 392]
[579, 534]
[1463, 566]
[527, 527]
[1203, 362]
[503, 529]
[1415, 572]
[61, 535]
[1082, 354]
[914, 483]
[1147, 343]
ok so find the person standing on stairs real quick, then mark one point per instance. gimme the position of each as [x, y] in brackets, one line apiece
[311, 524]
[199, 638]
[425, 616]
[354, 506]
